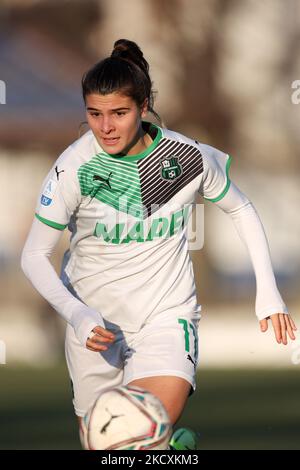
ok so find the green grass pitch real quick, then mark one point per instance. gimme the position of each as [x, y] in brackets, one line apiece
[232, 409]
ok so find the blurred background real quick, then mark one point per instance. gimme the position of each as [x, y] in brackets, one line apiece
[225, 72]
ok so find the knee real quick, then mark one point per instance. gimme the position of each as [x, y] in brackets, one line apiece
[172, 392]
[174, 407]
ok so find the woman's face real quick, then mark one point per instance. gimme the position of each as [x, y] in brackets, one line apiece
[115, 120]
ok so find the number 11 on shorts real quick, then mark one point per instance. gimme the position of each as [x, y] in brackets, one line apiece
[187, 327]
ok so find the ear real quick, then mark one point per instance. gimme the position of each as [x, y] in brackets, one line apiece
[144, 108]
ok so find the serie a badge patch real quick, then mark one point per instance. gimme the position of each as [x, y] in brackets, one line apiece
[170, 168]
[48, 193]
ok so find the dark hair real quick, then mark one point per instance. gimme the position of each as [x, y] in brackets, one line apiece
[125, 71]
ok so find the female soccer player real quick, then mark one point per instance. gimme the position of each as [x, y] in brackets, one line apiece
[127, 289]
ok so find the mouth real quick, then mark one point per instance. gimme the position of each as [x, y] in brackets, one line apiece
[110, 140]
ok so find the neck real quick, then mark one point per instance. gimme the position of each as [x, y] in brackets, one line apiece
[141, 141]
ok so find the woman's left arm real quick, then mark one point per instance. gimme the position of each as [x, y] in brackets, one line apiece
[269, 304]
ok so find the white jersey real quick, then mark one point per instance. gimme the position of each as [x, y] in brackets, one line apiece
[128, 256]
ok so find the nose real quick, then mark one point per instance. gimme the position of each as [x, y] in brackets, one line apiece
[106, 125]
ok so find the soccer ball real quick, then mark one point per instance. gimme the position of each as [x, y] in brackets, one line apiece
[127, 418]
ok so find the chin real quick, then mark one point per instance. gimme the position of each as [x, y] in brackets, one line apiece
[112, 151]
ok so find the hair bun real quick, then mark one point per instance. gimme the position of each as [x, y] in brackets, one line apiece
[119, 47]
[130, 51]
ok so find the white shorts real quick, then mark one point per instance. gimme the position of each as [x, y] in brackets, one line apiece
[166, 346]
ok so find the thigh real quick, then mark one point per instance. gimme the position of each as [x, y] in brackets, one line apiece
[91, 372]
[166, 353]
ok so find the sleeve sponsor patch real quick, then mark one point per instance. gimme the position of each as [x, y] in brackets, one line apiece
[48, 193]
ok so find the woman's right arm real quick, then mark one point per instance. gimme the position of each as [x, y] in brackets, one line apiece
[35, 263]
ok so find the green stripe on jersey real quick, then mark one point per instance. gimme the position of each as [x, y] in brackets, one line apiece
[51, 223]
[113, 182]
[216, 199]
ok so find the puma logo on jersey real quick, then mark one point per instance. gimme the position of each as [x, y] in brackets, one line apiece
[58, 172]
[98, 181]
[104, 180]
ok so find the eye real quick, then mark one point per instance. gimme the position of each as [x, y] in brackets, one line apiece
[93, 113]
[120, 113]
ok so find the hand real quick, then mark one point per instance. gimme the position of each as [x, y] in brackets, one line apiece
[282, 324]
[101, 336]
